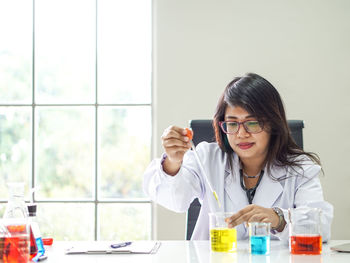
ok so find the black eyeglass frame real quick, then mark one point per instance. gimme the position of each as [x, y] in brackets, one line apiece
[243, 123]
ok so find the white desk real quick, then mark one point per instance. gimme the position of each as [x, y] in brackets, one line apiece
[199, 252]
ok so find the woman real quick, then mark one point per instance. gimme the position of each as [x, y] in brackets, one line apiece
[255, 167]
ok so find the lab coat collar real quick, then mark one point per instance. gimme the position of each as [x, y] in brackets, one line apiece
[236, 195]
[235, 163]
[233, 190]
[269, 189]
[267, 192]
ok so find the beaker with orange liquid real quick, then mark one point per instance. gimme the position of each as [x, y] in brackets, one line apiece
[305, 231]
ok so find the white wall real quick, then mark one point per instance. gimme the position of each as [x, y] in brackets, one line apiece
[301, 47]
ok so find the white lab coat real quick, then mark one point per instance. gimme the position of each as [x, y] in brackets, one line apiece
[177, 192]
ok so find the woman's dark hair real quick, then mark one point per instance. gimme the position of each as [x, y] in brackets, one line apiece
[259, 98]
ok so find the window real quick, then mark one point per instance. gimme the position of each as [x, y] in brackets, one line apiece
[75, 113]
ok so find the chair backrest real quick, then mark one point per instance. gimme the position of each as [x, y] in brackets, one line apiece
[203, 131]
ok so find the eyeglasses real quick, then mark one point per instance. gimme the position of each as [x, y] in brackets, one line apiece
[232, 127]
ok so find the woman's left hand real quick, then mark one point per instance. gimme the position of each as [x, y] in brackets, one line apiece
[253, 213]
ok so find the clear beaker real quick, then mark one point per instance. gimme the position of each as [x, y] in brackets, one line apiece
[259, 238]
[222, 238]
[16, 207]
[305, 231]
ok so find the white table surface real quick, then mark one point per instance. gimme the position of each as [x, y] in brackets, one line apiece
[199, 252]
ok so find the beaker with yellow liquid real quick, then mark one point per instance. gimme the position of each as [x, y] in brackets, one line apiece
[222, 238]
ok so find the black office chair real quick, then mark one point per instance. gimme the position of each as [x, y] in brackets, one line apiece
[203, 131]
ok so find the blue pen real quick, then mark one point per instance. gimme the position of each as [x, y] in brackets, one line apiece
[118, 245]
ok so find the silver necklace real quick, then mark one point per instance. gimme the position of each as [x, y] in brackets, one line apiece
[255, 176]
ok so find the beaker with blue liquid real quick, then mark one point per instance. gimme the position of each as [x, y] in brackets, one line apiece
[259, 238]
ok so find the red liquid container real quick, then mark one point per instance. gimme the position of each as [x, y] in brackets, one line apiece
[2, 245]
[33, 247]
[307, 245]
[48, 241]
[16, 247]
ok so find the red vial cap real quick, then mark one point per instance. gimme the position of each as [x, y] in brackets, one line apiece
[48, 241]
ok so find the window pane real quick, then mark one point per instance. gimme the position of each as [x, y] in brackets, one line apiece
[16, 32]
[65, 51]
[65, 147]
[15, 147]
[2, 210]
[66, 221]
[124, 51]
[124, 150]
[124, 221]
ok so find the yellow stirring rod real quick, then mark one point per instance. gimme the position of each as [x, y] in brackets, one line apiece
[190, 135]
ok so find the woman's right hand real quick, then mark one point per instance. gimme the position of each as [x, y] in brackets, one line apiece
[175, 144]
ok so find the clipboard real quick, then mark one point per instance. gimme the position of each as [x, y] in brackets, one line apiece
[137, 247]
[345, 248]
